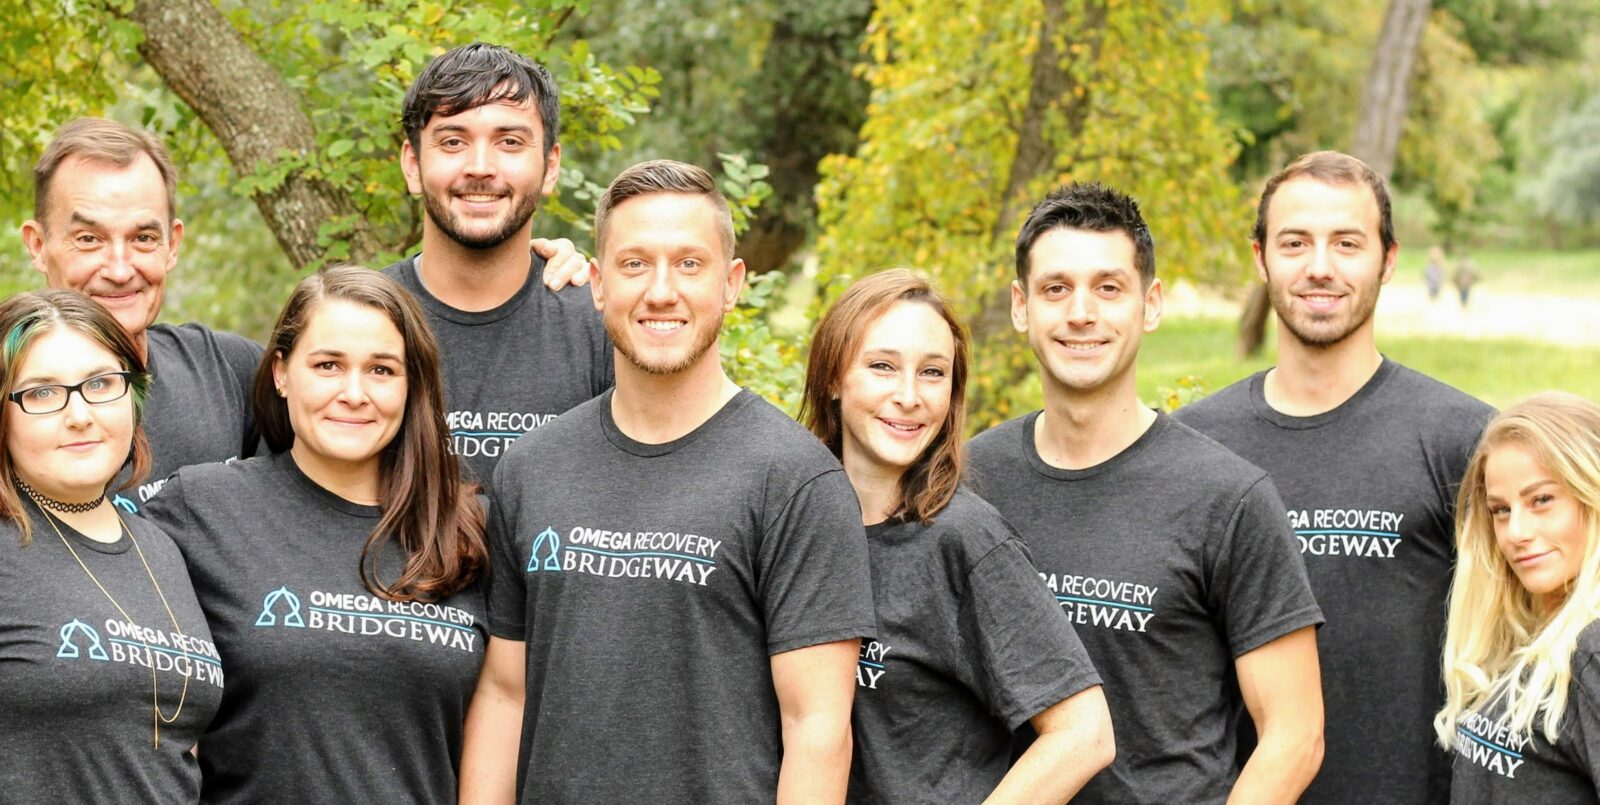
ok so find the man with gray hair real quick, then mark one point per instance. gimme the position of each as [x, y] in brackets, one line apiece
[105, 224]
[680, 578]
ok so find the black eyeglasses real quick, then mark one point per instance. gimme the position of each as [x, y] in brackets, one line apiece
[97, 390]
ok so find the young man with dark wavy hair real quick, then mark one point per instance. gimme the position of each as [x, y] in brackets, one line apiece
[481, 125]
[1169, 553]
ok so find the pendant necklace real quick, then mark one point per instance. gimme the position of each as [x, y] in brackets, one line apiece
[155, 699]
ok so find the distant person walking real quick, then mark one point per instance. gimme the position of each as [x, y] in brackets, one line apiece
[1433, 273]
[1465, 277]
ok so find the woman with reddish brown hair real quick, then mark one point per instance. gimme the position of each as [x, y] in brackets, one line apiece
[971, 646]
[341, 573]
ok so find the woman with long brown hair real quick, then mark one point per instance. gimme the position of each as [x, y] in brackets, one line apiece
[107, 670]
[340, 573]
[971, 646]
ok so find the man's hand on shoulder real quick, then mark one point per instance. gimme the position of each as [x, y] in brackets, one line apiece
[564, 264]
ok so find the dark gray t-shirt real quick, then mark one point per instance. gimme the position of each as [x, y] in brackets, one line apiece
[970, 646]
[1495, 766]
[75, 699]
[333, 693]
[653, 583]
[1172, 560]
[1370, 489]
[511, 369]
[198, 408]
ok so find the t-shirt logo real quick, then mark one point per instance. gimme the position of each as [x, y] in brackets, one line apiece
[368, 616]
[127, 643]
[1362, 533]
[547, 543]
[1491, 745]
[124, 504]
[872, 666]
[291, 603]
[1088, 601]
[647, 554]
[69, 649]
[489, 433]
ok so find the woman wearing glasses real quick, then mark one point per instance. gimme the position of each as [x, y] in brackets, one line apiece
[107, 670]
[339, 573]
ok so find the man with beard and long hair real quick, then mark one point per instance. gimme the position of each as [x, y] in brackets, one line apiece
[1367, 455]
[676, 612]
[481, 124]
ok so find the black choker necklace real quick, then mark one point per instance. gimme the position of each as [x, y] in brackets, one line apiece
[52, 503]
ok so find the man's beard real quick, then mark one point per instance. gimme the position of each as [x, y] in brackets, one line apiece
[702, 342]
[439, 212]
[1316, 334]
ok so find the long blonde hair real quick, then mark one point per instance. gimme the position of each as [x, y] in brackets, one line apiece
[1502, 645]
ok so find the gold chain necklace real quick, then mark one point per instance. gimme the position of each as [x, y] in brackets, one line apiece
[155, 699]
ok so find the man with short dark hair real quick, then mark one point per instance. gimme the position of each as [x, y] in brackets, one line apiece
[1367, 455]
[481, 125]
[1168, 552]
[680, 577]
[105, 224]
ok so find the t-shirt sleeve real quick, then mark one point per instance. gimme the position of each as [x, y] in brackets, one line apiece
[507, 593]
[243, 358]
[169, 511]
[1025, 653]
[813, 581]
[1258, 584]
[1585, 705]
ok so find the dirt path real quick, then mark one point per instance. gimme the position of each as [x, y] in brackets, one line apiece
[1405, 309]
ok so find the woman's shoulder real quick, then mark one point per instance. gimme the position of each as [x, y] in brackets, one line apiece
[1588, 646]
[970, 527]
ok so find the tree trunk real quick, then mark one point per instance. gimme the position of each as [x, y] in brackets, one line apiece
[1051, 86]
[808, 104]
[253, 113]
[1385, 99]
[1387, 92]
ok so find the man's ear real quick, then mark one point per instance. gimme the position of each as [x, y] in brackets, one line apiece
[735, 284]
[1391, 258]
[1154, 301]
[552, 170]
[411, 168]
[1019, 307]
[175, 238]
[33, 239]
[595, 290]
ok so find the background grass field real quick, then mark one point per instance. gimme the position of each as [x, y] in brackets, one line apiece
[1497, 372]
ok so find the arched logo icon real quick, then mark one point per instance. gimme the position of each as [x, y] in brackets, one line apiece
[291, 618]
[547, 539]
[69, 649]
[124, 504]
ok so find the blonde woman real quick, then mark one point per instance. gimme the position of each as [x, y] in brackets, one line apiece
[1522, 649]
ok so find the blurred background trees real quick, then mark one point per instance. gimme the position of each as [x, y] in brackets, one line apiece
[854, 134]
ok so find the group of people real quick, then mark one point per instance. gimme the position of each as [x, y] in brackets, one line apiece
[462, 529]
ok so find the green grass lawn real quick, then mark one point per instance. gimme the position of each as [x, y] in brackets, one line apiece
[1498, 372]
[1575, 273]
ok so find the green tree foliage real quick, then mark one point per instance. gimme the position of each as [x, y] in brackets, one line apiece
[350, 65]
[953, 87]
